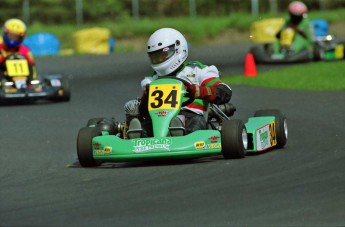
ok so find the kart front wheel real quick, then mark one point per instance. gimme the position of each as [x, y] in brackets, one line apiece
[234, 139]
[281, 124]
[95, 121]
[84, 147]
[104, 124]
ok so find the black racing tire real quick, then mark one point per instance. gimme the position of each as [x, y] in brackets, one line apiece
[262, 53]
[234, 139]
[317, 52]
[84, 147]
[281, 124]
[95, 121]
[66, 90]
[259, 54]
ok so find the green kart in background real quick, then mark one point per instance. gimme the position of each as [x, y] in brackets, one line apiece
[105, 140]
[324, 46]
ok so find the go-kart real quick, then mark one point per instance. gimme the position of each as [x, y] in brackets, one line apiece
[15, 84]
[264, 52]
[263, 32]
[326, 46]
[106, 140]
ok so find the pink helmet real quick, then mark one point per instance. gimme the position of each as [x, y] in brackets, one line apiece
[297, 8]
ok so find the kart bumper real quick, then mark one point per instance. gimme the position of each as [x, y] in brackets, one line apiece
[261, 56]
[30, 95]
[112, 148]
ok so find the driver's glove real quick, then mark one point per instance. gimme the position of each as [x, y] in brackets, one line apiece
[207, 93]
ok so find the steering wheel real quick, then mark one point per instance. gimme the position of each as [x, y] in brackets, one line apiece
[15, 56]
[186, 84]
[187, 95]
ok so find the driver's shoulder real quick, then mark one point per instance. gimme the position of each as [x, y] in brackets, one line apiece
[193, 67]
[195, 64]
[23, 49]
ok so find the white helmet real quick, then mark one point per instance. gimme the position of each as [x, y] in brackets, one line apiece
[167, 49]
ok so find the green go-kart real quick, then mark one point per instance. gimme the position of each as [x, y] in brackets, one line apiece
[105, 140]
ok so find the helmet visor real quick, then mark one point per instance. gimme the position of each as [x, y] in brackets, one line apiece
[13, 37]
[162, 55]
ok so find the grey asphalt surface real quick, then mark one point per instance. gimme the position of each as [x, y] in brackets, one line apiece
[42, 184]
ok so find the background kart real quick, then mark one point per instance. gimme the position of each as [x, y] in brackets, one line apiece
[17, 87]
[326, 46]
[105, 140]
[263, 33]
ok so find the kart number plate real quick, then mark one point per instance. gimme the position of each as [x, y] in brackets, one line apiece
[266, 137]
[18, 67]
[164, 96]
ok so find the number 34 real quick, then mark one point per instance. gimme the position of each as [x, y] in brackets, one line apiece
[164, 98]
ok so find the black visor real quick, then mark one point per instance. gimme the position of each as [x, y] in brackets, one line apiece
[162, 55]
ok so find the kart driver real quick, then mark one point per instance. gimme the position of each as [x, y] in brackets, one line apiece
[301, 25]
[167, 49]
[13, 33]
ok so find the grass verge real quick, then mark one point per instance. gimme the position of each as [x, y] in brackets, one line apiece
[318, 76]
[132, 35]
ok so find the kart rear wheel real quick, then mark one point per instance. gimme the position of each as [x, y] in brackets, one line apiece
[66, 90]
[84, 147]
[281, 124]
[261, 53]
[234, 139]
[317, 52]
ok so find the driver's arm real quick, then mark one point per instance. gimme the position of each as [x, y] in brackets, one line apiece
[210, 88]
[218, 93]
[26, 52]
[144, 100]
[33, 71]
[2, 65]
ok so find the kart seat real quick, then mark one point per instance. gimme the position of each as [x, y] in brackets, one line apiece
[134, 129]
[176, 127]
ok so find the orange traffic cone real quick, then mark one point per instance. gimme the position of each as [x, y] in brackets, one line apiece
[249, 65]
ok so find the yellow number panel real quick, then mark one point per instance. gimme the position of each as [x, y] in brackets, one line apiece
[164, 96]
[18, 67]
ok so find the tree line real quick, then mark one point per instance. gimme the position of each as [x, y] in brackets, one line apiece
[95, 11]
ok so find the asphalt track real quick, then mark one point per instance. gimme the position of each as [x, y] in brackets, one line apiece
[42, 184]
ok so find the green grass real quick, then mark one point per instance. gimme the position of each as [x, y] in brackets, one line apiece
[197, 30]
[319, 76]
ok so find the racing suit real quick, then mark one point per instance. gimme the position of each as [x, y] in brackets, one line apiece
[210, 90]
[24, 52]
[302, 39]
